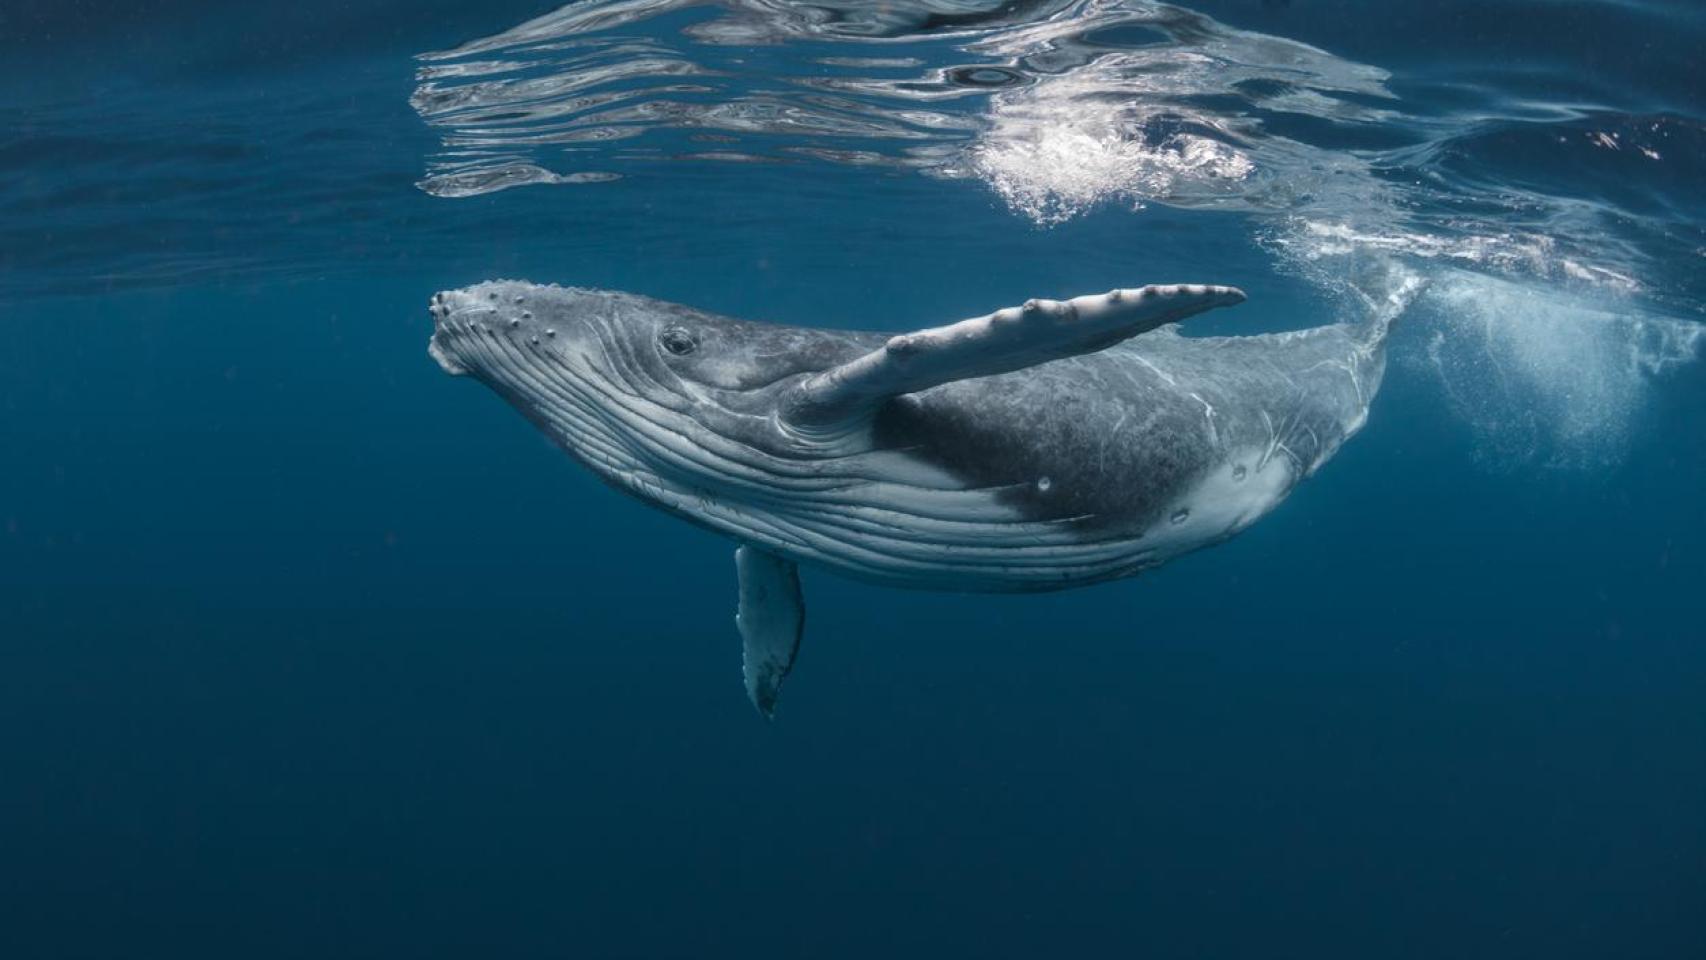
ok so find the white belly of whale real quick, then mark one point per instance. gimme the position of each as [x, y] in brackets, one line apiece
[899, 544]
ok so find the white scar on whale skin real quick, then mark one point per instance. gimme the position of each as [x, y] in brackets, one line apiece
[1039, 447]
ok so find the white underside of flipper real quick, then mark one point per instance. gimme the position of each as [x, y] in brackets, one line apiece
[771, 617]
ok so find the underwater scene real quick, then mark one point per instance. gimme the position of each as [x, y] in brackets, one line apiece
[853, 478]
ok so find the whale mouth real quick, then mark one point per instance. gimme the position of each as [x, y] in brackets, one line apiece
[440, 309]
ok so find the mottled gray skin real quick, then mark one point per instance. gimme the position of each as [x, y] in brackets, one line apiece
[1123, 434]
[1070, 472]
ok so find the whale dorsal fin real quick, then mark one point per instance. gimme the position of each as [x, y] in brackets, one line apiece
[1000, 342]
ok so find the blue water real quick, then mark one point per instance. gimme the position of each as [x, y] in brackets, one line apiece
[307, 649]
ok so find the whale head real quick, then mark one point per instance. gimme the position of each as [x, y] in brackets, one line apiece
[666, 401]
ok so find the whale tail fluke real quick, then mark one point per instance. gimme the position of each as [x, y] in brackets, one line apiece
[1384, 290]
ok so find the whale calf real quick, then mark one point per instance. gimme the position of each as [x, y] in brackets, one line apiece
[1039, 447]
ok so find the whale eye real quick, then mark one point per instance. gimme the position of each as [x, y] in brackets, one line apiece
[678, 341]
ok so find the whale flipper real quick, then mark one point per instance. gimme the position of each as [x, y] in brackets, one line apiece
[1000, 342]
[771, 617]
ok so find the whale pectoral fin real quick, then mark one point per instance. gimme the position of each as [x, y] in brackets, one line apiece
[1000, 342]
[771, 617]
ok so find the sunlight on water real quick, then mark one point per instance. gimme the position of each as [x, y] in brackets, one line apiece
[1051, 161]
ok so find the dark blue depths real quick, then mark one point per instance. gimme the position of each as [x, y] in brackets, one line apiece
[309, 650]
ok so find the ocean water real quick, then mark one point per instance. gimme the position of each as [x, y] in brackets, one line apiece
[308, 650]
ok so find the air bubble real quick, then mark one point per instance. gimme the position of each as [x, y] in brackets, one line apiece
[985, 77]
[1180, 516]
[1043, 483]
[1238, 473]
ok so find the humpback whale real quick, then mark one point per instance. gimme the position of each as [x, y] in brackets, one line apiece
[1039, 447]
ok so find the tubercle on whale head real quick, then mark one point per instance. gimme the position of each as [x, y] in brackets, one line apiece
[440, 311]
[474, 326]
[514, 332]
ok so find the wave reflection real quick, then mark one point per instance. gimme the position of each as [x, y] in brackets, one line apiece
[1060, 105]
[1064, 105]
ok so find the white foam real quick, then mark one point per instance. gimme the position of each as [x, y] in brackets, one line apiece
[1516, 253]
[1542, 376]
[1054, 154]
[1547, 360]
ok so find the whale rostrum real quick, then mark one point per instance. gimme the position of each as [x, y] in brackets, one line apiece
[1039, 447]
